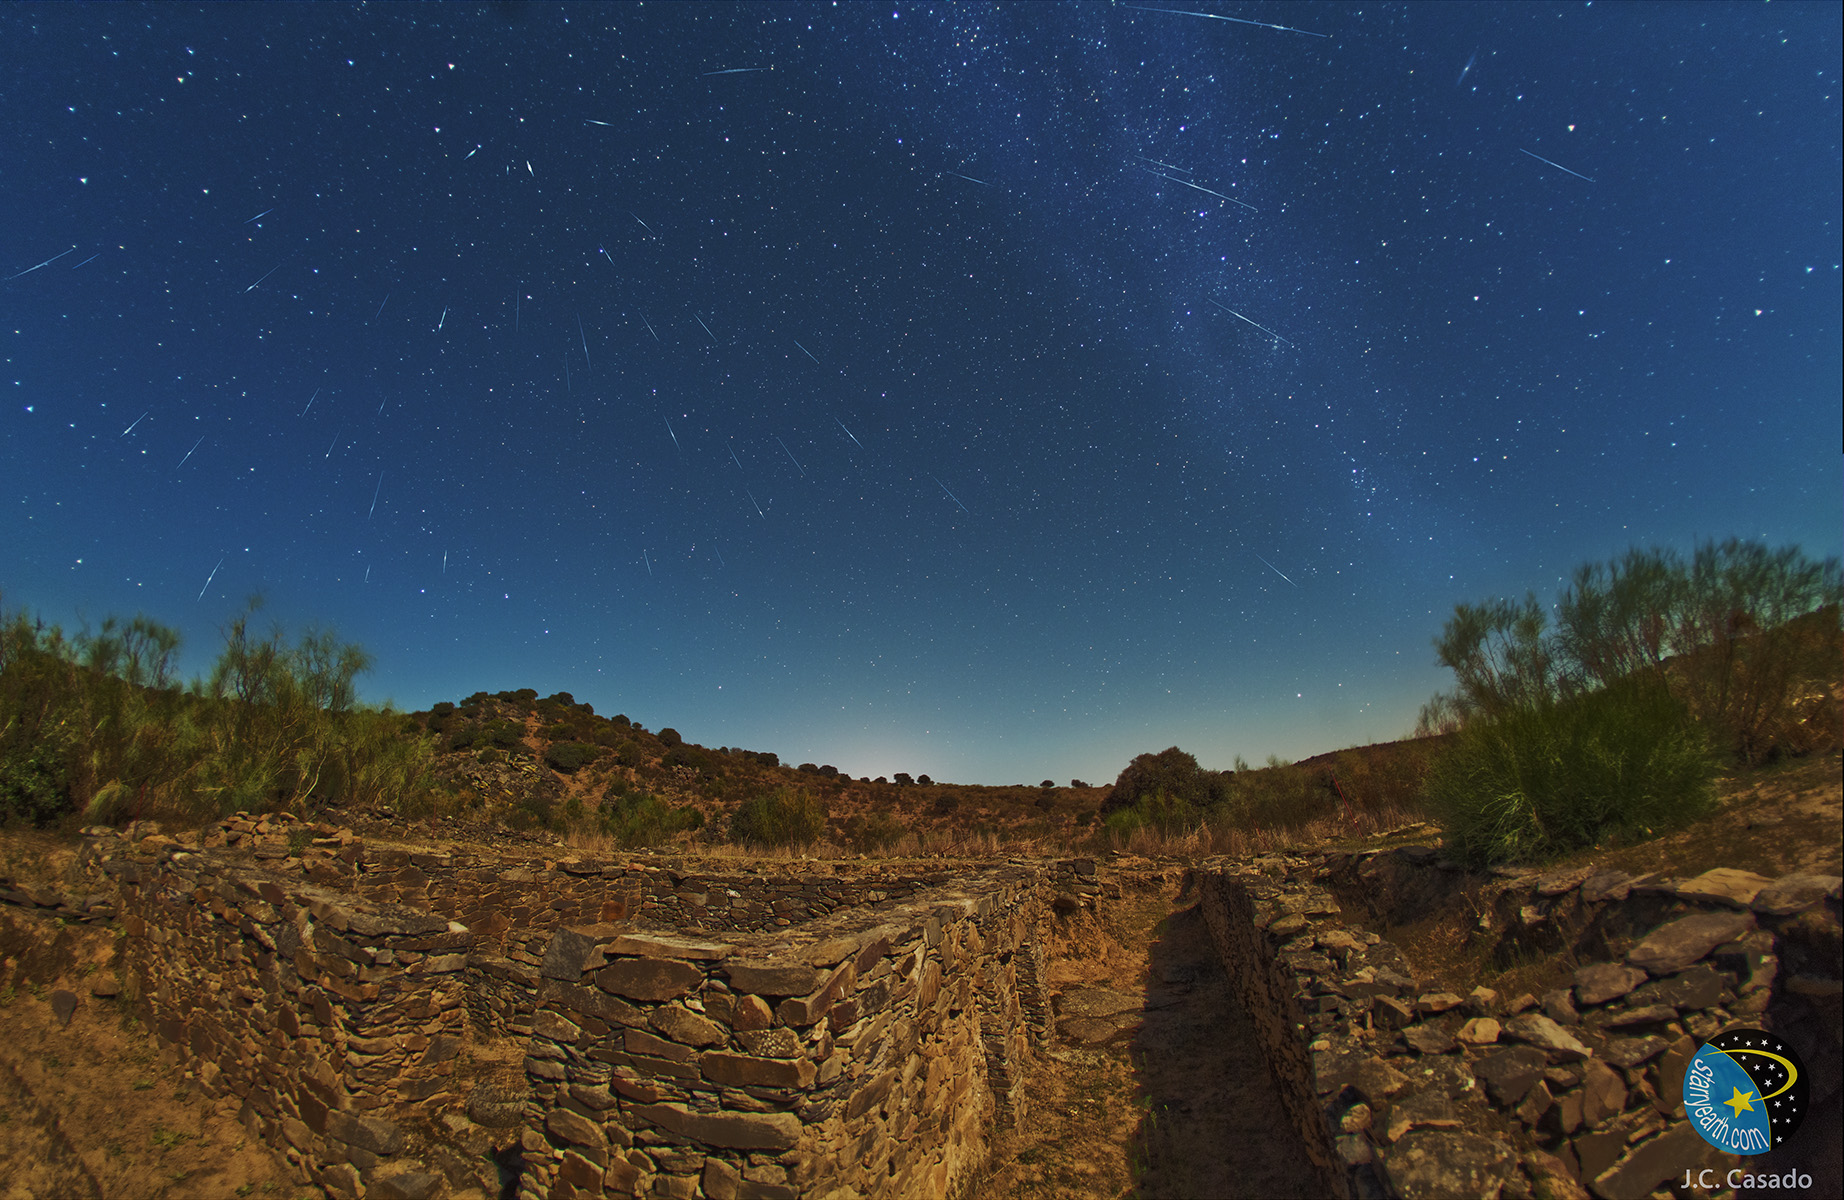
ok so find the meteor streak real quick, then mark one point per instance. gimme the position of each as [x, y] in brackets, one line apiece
[675, 437]
[951, 495]
[1232, 312]
[585, 337]
[209, 578]
[1184, 12]
[374, 496]
[259, 216]
[310, 401]
[1557, 165]
[46, 263]
[791, 458]
[808, 353]
[135, 422]
[1275, 569]
[278, 266]
[848, 433]
[195, 446]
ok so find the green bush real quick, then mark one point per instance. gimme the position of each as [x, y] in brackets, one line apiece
[1551, 777]
[783, 817]
[570, 757]
[1172, 774]
[640, 819]
[1158, 810]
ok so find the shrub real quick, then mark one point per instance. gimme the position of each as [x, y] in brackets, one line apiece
[924, 781]
[669, 735]
[1551, 777]
[687, 756]
[783, 817]
[1158, 810]
[1170, 772]
[570, 757]
[876, 832]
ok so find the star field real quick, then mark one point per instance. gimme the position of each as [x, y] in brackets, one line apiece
[995, 392]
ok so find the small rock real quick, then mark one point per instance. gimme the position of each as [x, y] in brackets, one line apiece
[1603, 1095]
[1483, 1001]
[1546, 1035]
[1536, 1102]
[1606, 885]
[105, 987]
[1437, 1002]
[1480, 1031]
[63, 1005]
[1627, 1053]
[1556, 1007]
[1509, 1074]
[1356, 1119]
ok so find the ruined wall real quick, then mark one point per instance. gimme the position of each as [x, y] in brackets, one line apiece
[1410, 1091]
[865, 1054]
[328, 1018]
[682, 1031]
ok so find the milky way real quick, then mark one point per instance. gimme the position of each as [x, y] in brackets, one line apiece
[996, 393]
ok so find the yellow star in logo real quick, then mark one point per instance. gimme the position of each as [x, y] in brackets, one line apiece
[1741, 1102]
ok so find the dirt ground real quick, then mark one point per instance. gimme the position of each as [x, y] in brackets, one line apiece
[89, 1109]
[1166, 1098]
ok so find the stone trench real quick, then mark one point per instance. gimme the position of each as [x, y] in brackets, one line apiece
[409, 1023]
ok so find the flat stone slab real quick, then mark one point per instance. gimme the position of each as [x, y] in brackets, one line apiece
[1724, 885]
[1092, 1031]
[1670, 948]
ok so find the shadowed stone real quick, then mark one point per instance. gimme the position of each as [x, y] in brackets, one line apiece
[773, 979]
[1670, 948]
[1597, 983]
[1423, 1110]
[575, 950]
[406, 1185]
[649, 978]
[367, 1133]
[63, 1005]
[1509, 1074]
[1437, 1163]
[1699, 987]
[1606, 885]
[1429, 1039]
[575, 1128]
[494, 1110]
[1603, 1094]
[1792, 893]
[1630, 1052]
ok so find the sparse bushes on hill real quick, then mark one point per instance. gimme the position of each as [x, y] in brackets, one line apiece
[1172, 773]
[783, 817]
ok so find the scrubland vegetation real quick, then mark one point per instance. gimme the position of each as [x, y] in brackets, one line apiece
[1601, 721]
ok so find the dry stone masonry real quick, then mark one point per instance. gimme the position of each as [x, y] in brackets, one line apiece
[667, 1029]
[444, 1024]
[1404, 1090]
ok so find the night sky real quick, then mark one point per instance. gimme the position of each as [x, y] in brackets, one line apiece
[996, 392]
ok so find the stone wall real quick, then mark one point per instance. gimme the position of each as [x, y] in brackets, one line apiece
[328, 1018]
[1405, 1090]
[863, 1054]
[682, 1030]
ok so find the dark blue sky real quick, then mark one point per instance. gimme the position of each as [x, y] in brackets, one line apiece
[992, 392]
